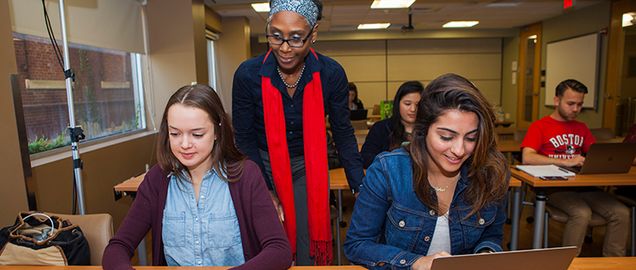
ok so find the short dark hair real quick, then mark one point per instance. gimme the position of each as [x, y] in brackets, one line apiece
[353, 87]
[570, 84]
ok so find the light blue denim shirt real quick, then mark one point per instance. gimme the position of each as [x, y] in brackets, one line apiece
[203, 234]
[391, 228]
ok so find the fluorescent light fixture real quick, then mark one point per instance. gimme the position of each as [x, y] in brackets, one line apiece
[365, 26]
[502, 5]
[392, 3]
[532, 37]
[261, 7]
[460, 24]
[628, 19]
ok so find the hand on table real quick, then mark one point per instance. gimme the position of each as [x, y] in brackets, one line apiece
[424, 263]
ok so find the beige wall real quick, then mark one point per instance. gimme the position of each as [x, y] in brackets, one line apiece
[13, 193]
[233, 47]
[171, 50]
[572, 24]
[378, 67]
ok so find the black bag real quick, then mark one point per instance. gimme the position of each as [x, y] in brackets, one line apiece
[37, 239]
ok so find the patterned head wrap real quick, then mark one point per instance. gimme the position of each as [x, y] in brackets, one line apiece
[305, 8]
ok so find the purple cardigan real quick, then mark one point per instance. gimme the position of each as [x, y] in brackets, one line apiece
[265, 244]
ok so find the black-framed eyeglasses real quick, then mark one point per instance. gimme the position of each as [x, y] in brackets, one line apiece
[294, 42]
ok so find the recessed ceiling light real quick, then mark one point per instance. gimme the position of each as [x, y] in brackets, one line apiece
[392, 3]
[502, 5]
[460, 24]
[373, 26]
[261, 7]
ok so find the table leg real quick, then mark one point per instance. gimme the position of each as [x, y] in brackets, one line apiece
[539, 212]
[516, 210]
[338, 246]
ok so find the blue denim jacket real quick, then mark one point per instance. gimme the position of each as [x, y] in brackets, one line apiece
[391, 228]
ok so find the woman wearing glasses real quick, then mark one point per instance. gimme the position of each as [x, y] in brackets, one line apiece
[279, 103]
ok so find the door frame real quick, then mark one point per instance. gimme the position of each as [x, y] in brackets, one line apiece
[524, 34]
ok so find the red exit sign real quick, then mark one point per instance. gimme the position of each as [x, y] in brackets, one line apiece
[568, 3]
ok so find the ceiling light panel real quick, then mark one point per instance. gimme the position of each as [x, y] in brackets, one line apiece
[366, 26]
[460, 24]
[391, 3]
[261, 7]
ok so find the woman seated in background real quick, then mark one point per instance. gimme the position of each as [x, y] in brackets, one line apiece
[354, 102]
[450, 178]
[204, 202]
[390, 133]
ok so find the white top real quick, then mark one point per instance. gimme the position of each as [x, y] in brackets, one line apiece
[441, 236]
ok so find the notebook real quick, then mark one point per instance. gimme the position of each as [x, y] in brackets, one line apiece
[607, 158]
[545, 170]
[545, 259]
[359, 114]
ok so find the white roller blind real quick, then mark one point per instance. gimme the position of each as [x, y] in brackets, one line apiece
[111, 24]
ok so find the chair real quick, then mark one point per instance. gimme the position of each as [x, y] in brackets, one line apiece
[376, 109]
[631, 203]
[602, 134]
[359, 124]
[98, 230]
[560, 216]
[519, 134]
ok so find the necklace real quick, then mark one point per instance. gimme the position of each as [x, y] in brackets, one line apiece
[439, 189]
[297, 80]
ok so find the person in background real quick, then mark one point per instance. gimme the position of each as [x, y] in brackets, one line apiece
[279, 103]
[392, 132]
[441, 194]
[561, 140]
[205, 204]
[354, 102]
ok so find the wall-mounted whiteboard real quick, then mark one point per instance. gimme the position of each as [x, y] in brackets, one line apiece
[574, 58]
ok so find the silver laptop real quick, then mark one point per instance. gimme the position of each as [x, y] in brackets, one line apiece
[607, 158]
[544, 259]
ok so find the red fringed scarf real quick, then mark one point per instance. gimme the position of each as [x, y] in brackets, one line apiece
[315, 146]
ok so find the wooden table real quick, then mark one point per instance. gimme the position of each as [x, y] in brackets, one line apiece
[337, 182]
[602, 263]
[579, 180]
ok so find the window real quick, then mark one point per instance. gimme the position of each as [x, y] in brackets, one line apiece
[211, 38]
[108, 92]
[212, 65]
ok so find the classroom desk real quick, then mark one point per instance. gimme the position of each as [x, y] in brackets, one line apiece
[337, 182]
[590, 180]
[596, 263]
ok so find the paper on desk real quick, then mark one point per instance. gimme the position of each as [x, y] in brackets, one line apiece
[545, 170]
